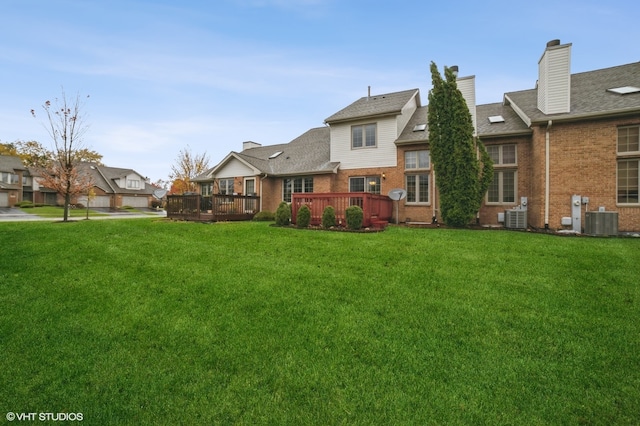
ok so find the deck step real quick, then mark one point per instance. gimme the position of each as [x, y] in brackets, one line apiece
[379, 224]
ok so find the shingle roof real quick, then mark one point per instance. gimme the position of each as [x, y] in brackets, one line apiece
[10, 163]
[512, 124]
[408, 135]
[104, 178]
[374, 106]
[589, 94]
[306, 154]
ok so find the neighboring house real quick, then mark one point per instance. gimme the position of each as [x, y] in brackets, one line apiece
[116, 187]
[11, 180]
[571, 135]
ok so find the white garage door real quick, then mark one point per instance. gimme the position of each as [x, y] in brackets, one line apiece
[98, 201]
[135, 201]
[4, 199]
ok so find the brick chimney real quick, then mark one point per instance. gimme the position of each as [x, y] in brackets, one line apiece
[554, 78]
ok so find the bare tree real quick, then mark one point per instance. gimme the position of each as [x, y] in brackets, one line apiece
[66, 127]
[187, 167]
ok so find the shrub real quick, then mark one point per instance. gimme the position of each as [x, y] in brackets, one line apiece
[303, 217]
[328, 217]
[283, 214]
[264, 216]
[156, 204]
[25, 204]
[354, 217]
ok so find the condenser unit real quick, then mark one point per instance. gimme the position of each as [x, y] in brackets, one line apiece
[515, 219]
[601, 223]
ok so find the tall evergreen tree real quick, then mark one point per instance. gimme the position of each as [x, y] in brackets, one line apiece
[462, 179]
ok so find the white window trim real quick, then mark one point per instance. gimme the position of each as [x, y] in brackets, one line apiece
[364, 136]
[623, 158]
[501, 188]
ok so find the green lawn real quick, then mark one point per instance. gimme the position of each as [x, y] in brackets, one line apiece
[147, 322]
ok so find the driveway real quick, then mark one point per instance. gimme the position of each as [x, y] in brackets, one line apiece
[12, 214]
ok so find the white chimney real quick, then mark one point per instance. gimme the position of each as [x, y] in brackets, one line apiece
[250, 144]
[554, 79]
[467, 86]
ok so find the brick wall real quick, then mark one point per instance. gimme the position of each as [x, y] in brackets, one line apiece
[583, 161]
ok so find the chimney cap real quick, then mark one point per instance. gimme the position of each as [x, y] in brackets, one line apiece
[555, 42]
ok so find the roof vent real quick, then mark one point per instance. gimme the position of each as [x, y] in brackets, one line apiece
[420, 128]
[496, 119]
[275, 154]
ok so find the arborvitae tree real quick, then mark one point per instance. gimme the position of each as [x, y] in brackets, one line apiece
[462, 179]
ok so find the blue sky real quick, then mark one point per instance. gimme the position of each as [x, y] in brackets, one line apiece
[166, 75]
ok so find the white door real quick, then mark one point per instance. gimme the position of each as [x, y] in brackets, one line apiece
[4, 199]
[142, 202]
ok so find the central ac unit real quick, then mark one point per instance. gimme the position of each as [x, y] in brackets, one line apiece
[515, 219]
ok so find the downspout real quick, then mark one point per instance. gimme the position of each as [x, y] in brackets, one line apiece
[546, 176]
[262, 193]
[434, 218]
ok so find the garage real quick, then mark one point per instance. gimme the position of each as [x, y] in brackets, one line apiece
[100, 201]
[4, 199]
[138, 202]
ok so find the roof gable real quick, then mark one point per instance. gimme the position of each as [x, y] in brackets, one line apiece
[375, 106]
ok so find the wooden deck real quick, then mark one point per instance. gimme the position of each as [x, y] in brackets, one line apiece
[377, 209]
[214, 208]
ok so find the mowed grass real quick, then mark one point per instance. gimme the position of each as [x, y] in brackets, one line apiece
[58, 212]
[153, 322]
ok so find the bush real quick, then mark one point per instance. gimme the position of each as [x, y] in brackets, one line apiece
[156, 204]
[25, 204]
[354, 217]
[283, 214]
[328, 217]
[303, 217]
[264, 216]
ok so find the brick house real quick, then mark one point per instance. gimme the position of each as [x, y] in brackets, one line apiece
[571, 135]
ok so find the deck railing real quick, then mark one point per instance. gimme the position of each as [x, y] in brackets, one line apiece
[212, 208]
[375, 207]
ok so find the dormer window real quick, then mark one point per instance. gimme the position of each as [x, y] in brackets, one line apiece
[133, 184]
[363, 136]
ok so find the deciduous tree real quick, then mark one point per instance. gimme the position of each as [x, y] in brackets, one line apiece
[461, 177]
[186, 168]
[66, 127]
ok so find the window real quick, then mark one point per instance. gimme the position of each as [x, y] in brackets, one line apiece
[503, 188]
[418, 188]
[417, 184]
[133, 184]
[7, 177]
[296, 185]
[365, 184]
[206, 189]
[225, 186]
[503, 154]
[363, 136]
[628, 164]
[417, 160]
